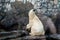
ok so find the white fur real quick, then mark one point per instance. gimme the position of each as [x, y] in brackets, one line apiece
[35, 24]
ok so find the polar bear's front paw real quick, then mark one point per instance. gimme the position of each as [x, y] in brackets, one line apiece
[28, 26]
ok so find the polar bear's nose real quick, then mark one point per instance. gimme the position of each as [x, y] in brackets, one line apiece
[34, 9]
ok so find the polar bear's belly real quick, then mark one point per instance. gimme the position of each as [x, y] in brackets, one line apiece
[37, 27]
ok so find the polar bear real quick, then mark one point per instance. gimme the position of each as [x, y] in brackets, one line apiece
[35, 24]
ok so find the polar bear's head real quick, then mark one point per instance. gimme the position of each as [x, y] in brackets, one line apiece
[31, 13]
